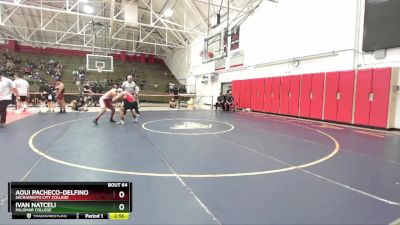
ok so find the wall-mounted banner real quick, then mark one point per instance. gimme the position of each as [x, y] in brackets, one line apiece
[220, 64]
[235, 38]
[236, 59]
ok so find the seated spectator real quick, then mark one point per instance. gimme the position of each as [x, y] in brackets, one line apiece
[6, 55]
[75, 74]
[29, 63]
[190, 103]
[230, 101]
[41, 65]
[59, 65]
[50, 72]
[171, 87]
[79, 104]
[51, 62]
[37, 76]
[176, 92]
[142, 84]
[221, 100]
[28, 70]
[172, 103]
[17, 61]
[10, 65]
[81, 70]
[82, 77]
[100, 89]
[87, 93]
[10, 74]
[56, 77]
[57, 73]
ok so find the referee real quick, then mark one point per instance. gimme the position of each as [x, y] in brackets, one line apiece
[130, 86]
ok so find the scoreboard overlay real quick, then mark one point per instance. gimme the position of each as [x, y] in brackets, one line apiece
[70, 200]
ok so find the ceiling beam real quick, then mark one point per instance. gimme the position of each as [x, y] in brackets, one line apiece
[217, 4]
[174, 45]
[96, 17]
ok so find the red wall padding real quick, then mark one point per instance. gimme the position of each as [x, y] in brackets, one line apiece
[267, 94]
[331, 94]
[275, 95]
[294, 95]
[257, 94]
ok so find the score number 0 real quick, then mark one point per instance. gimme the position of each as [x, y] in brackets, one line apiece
[121, 194]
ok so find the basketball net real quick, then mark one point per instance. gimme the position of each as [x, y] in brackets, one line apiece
[99, 69]
[208, 55]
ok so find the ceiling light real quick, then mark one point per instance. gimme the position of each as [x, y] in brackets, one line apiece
[168, 13]
[88, 9]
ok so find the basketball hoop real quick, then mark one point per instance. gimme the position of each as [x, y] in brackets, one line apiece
[99, 63]
[99, 69]
[209, 55]
[100, 66]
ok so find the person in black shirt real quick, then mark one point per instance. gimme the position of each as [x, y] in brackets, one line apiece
[79, 104]
[98, 89]
[101, 89]
[50, 95]
[43, 96]
[229, 101]
[220, 102]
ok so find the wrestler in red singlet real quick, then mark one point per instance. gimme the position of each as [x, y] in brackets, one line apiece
[130, 103]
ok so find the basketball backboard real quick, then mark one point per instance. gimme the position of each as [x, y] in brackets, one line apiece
[99, 63]
[215, 46]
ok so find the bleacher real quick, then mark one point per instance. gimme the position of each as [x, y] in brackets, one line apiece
[151, 73]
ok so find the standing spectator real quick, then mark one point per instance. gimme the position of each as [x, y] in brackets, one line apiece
[22, 87]
[6, 89]
[50, 93]
[96, 89]
[43, 96]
